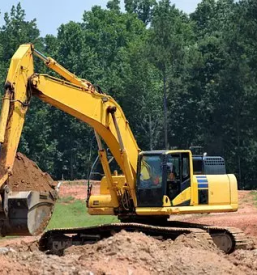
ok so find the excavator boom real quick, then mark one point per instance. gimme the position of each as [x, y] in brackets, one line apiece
[74, 96]
[14, 107]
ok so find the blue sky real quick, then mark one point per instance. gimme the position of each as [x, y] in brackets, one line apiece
[50, 14]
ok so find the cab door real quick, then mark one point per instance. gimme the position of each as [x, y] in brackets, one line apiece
[177, 163]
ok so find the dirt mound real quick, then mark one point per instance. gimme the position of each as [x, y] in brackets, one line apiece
[245, 260]
[196, 241]
[27, 176]
[10, 267]
[24, 246]
[144, 255]
[130, 253]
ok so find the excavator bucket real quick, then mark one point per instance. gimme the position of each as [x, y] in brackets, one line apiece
[28, 212]
[28, 197]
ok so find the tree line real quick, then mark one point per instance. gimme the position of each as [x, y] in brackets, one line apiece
[202, 65]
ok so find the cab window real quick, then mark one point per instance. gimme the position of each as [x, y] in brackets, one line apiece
[186, 167]
[173, 170]
[150, 172]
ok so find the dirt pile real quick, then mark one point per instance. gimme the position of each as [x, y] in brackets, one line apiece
[9, 267]
[23, 246]
[128, 253]
[27, 176]
[137, 253]
[245, 260]
[196, 241]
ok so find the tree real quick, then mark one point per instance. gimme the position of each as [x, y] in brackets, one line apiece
[118, 42]
[169, 33]
[114, 5]
[143, 9]
[16, 31]
[227, 81]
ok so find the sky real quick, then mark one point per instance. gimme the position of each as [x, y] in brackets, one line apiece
[50, 14]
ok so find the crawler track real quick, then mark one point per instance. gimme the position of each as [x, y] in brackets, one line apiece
[227, 239]
[56, 240]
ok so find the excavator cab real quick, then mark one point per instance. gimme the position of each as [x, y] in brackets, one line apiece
[162, 175]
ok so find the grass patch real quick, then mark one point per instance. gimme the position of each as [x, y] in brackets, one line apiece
[73, 182]
[74, 214]
[8, 238]
[68, 199]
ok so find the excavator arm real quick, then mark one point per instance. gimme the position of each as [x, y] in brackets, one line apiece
[74, 96]
[14, 107]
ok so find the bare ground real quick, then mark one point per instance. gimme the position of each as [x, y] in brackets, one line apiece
[136, 253]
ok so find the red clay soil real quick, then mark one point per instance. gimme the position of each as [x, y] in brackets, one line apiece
[27, 176]
[77, 190]
[137, 253]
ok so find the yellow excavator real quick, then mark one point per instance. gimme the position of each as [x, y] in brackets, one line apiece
[153, 185]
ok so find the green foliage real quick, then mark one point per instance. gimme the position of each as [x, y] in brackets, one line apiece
[114, 5]
[143, 9]
[205, 63]
[170, 38]
[14, 32]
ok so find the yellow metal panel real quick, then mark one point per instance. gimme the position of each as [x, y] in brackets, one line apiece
[100, 211]
[5, 113]
[233, 189]
[178, 151]
[111, 186]
[52, 64]
[99, 201]
[194, 190]
[21, 68]
[119, 181]
[219, 189]
[184, 196]
[185, 209]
